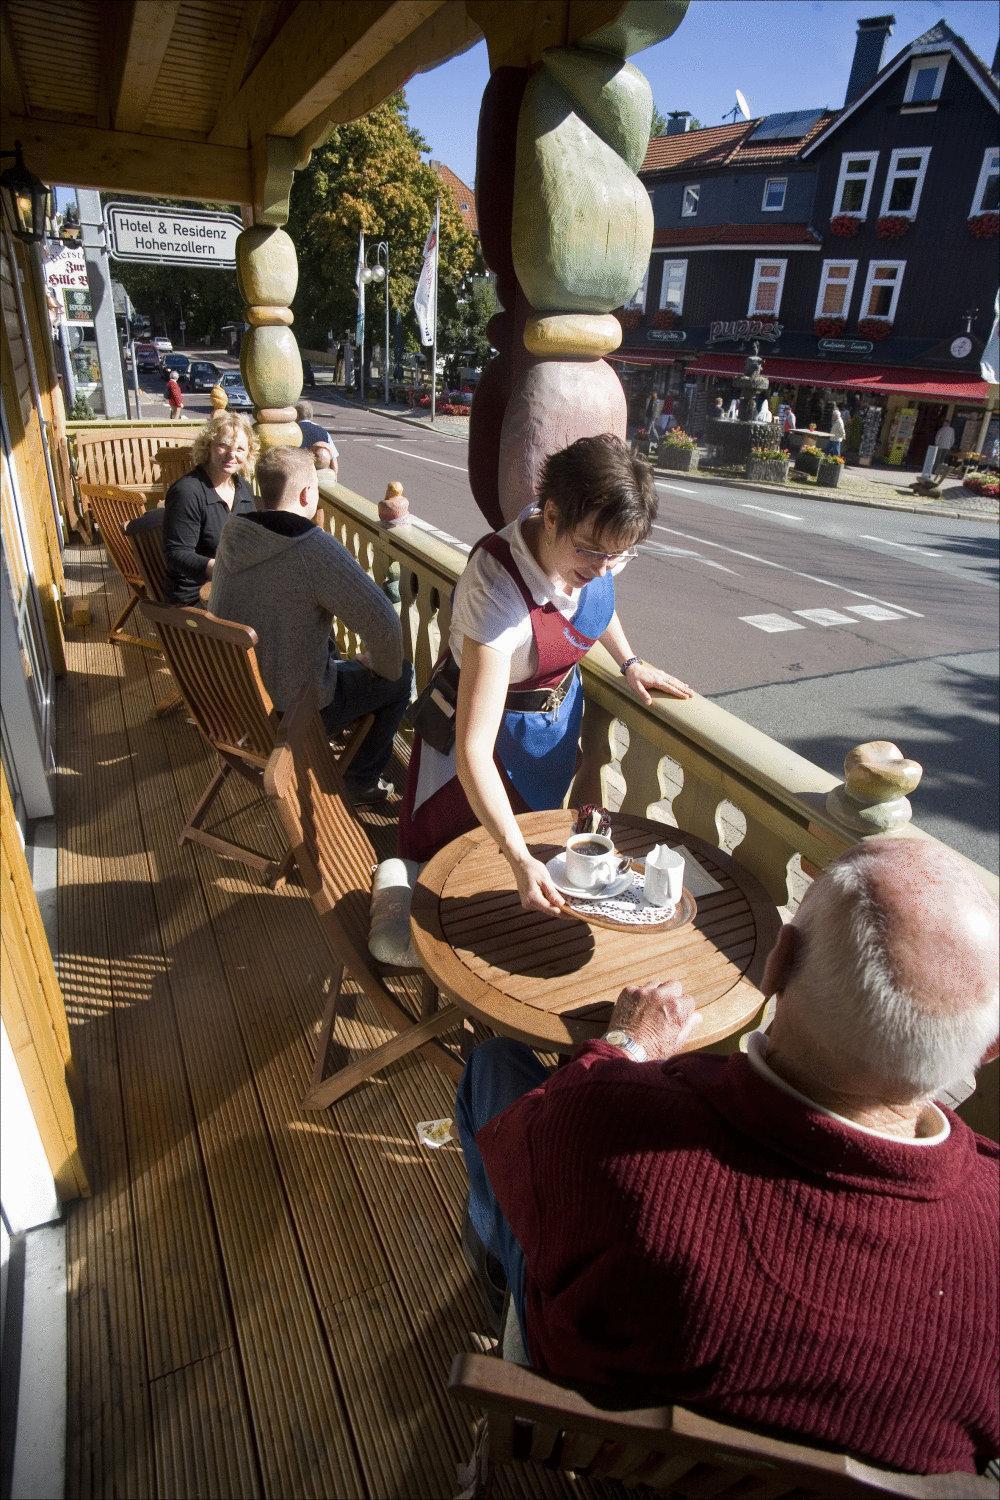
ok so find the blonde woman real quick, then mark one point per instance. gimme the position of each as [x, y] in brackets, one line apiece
[198, 505]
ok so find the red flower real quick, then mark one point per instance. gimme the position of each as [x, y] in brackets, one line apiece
[875, 329]
[665, 318]
[985, 226]
[629, 317]
[893, 227]
[829, 328]
[845, 226]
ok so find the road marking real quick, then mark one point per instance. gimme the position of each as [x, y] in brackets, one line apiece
[442, 536]
[906, 546]
[825, 616]
[462, 468]
[659, 549]
[784, 514]
[681, 489]
[783, 568]
[771, 623]
[874, 612]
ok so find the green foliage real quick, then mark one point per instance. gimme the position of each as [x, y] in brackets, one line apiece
[81, 410]
[658, 126]
[369, 176]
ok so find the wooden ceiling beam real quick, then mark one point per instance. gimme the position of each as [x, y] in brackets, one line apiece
[147, 32]
[308, 65]
[83, 156]
[15, 98]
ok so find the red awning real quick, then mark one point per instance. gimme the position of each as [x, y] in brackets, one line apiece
[924, 385]
[630, 357]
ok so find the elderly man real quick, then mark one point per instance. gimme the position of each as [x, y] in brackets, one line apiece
[797, 1238]
[316, 438]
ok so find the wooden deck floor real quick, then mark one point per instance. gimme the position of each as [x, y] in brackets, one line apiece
[261, 1301]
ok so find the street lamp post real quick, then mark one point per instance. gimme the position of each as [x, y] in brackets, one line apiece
[379, 271]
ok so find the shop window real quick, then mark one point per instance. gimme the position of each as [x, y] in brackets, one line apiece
[638, 298]
[854, 187]
[689, 202]
[885, 277]
[905, 181]
[926, 79]
[774, 194]
[987, 195]
[765, 294]
[672, 286]
[835, 288]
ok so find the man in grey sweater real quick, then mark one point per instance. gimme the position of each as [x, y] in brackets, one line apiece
[284, 576]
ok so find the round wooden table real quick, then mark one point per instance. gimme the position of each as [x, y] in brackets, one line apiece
[550, 981]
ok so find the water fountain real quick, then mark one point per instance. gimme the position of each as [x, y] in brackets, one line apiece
[729, 442]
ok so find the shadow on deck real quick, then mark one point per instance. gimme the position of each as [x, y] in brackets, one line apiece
[261, 1301]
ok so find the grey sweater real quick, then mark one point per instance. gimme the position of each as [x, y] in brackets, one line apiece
[288, 588]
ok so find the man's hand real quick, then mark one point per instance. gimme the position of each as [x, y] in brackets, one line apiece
[659, 1015]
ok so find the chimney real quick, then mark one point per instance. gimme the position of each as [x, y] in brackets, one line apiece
[873, 33]
[677, 121]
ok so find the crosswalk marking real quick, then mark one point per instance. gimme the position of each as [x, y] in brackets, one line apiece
[824, 616]
[771, 623]
[876, 612]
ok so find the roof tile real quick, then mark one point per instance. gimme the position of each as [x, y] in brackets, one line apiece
[462, 193]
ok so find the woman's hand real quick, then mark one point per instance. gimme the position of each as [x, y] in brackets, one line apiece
[644, 679]
[534, 885]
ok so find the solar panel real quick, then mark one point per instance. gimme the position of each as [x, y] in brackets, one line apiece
[785, 127]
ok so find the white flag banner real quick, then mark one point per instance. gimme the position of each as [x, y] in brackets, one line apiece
[989, 360]
[425, 295]
[359, 322]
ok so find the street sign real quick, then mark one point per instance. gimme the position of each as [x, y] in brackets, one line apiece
[164, 236]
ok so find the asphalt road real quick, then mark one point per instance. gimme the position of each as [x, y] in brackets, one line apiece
[823, 625]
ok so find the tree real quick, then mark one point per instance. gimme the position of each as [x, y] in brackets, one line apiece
[660, 122]
[368, 176]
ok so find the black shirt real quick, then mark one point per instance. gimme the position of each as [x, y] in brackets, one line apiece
[192, 525]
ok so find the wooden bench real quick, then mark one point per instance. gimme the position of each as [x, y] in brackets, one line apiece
[670, 1449]
[124, 456]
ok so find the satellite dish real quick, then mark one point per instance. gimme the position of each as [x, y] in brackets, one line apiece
[742, 105]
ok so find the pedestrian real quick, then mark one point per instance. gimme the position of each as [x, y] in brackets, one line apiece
[654, 409]
[718, 410]
[944, 440]
[316, 438]
[838, 432]
[788, 425]
[175, 396]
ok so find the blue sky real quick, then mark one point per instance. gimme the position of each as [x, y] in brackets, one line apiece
[783, 54]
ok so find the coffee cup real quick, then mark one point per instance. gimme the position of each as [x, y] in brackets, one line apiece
[664, 877]
[591, 861]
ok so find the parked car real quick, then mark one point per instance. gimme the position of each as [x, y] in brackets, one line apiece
[147, 356]
[231, 382]
[163, 344]
[202, 375]
[179, 364]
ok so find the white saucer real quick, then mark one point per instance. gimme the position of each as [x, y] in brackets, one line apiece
[556, 867]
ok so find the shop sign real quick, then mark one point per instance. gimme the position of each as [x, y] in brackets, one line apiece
[76, 304]
[846, 346]
[738, 330]
[668, 335]
[164, 236]
[65, 266]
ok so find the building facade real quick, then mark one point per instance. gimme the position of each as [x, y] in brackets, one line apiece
[858, 247]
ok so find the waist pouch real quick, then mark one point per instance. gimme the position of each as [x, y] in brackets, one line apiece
[434, 711]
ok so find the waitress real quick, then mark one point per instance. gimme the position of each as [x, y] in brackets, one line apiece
[532, 601]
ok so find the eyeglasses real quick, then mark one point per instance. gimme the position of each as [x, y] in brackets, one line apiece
[591, 556]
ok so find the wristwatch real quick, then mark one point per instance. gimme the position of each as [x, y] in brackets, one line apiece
[628, 1044]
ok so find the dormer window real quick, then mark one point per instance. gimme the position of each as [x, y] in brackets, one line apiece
[689, 202]
[774, 194]
[905, 181]
[926, 79]
[854, 187]
[987, 195]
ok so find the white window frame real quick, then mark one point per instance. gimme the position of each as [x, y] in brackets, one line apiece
[924, 152]
[871, 157]
[774, 208]
[663, 282]
[989, 168]
[638, 298]
[690, 187]
[771, 312]
[873, 268]
[848, 285]
[919, 63]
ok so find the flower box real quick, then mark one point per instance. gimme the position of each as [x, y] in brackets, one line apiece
[893, 227]
[875, 329]
[984, 226]
[845, 226]
[674, 456]
[665, 317]
[767, 470]
[808, 460]
[629, 317]
[829, 328]
[830, 470]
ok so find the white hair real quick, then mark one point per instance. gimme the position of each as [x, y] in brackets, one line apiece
[862, 1012]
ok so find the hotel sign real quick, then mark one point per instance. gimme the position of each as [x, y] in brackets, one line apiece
[739, 330]
[163, 236]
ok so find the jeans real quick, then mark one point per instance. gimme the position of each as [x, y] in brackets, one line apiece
[361, 691]
[498, 1072]
[833, 448]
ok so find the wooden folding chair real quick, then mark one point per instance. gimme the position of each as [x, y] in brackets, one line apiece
[173, 463]
[145, 535]
[336, 859]
[670, 1449]
[113, 508]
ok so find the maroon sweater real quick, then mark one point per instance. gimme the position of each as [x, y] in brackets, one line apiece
[693, 1233]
